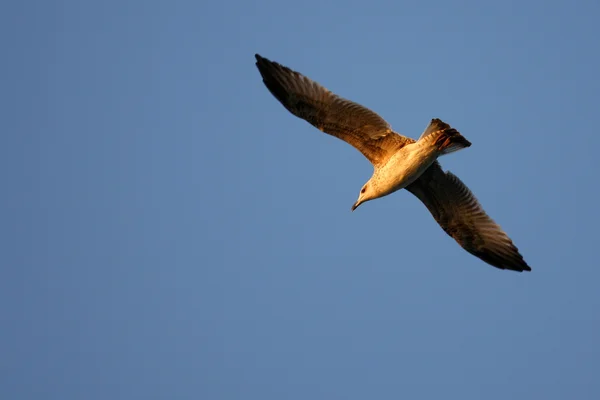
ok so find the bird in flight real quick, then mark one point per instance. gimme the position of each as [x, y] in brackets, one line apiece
[399, 162]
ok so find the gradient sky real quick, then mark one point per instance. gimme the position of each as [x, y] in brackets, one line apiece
[170, 231]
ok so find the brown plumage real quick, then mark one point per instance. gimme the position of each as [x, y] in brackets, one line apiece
[344, 119]
[450, 202]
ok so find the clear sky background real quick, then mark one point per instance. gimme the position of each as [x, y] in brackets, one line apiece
[170, 231]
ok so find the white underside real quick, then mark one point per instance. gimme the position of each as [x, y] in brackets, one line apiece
[405, 167]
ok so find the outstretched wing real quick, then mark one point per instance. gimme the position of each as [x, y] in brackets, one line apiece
[344, 119]
[459, 213]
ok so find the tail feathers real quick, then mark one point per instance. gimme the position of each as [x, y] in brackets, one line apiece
[450, 141]
[434, 126]
[446, 139]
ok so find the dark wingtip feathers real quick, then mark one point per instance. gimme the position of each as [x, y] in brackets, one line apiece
[275, 78]
[517, 263]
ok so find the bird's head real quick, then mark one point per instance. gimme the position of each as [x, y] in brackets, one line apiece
[366, 194]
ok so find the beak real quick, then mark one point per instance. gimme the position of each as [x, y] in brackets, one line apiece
[355, 206]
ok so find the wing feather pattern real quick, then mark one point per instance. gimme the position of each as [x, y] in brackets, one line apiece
[459, 213]
[344, 119]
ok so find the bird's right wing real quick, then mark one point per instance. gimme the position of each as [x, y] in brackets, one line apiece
[459, 213]
[344, 119]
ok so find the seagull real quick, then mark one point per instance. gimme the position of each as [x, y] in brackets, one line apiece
[399, 162]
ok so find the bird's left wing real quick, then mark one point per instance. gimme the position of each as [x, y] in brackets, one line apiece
[459, 213]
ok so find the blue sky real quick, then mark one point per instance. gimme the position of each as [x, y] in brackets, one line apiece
[170, 231]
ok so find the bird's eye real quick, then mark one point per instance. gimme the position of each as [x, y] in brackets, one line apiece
[363, 190]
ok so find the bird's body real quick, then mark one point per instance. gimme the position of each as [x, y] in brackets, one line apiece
[405, 166]
[399, 162]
